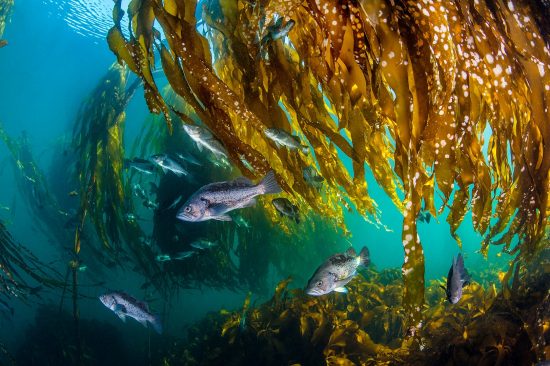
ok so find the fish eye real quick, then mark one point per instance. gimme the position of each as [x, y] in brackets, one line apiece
[320, 283]
[188, 209]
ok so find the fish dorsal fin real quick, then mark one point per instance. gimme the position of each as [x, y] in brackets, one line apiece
[351, 252]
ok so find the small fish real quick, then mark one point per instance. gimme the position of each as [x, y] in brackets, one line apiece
[73, 193]
[283, 138]
[141, 165]
[3, 43]
[150, 204]
[215, 200]
[312, 177]
[241, 222]
[336, 272]
[456, 279]
[163, 258]
[138, 191]
[190, 158]
[220, 162]
[424, 217]
[204, 139]
[277, 30]
[130, 217]
[286, 208]
[167, 164]
[175, 203]
[184, 255]
[124, 305]
[203, 244]
[82, 268]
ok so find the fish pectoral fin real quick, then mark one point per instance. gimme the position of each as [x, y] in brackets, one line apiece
[443, 287]
[143, 322]
[341, 289]
[222, 218]
[121, 315]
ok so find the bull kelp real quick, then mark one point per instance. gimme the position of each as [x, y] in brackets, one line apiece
[409, 88]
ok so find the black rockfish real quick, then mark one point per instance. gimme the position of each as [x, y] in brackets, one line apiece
[124, 305]
[458, 278]
[215, 200]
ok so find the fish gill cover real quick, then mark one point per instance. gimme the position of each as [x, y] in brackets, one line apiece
[407, 88]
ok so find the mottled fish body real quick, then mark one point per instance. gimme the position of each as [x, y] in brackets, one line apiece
[283, 138]
[168, 164]
[336, 272]
[286, 208]
[215, 200]
[456, 279]
[124, 305]
[204, 139]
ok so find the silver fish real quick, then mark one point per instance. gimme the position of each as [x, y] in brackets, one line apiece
[283, 138]
[141, 165]
[205, 139]
[203, 244]
[286, 208]
[167, 164]
[215, 200]
[336, 272]
[163, 258]
[456, 279]
[184, 255]
[189, 158]
[124, 305]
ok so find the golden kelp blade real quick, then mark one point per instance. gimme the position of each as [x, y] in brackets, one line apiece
[409, 88]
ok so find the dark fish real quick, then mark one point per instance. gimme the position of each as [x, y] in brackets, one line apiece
[168, 164]
[458, 278]
[124, 305]
[424, 217]
[215, 200]
[3, 43]
[286, 208]
[336, 272]
[141, 165]
[277, 30]
[312, 177]
[283, 138]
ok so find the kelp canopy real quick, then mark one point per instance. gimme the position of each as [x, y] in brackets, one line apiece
[408, 88]
[5, 9]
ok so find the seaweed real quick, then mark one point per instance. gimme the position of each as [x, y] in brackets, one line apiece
[406, 88]
[367, 325]
[5, 11]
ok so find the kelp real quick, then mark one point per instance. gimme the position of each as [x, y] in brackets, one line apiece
[19, 268]
[5, 10]
[365, 327]
[408, 88]
[250, 249]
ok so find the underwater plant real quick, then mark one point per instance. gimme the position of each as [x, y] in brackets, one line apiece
[5, 10]
[408, 89]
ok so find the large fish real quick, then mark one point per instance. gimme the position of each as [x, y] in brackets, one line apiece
[283, 138]
[457, 278]
[124, 305]
[204, 138]
[336, 272]
[215, 200]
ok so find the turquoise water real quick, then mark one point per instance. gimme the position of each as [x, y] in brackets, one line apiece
[55, 57]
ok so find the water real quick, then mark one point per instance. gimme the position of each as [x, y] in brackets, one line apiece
[57, 83]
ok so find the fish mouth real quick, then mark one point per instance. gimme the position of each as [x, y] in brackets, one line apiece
[313, 292]
[184, 216]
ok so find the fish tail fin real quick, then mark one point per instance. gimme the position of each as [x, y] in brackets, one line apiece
[269, 184]
[364, 255]
[156, 323]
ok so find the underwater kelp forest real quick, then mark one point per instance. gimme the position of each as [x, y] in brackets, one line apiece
[287, 182]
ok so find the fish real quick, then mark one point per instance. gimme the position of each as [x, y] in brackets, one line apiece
[163, 258]
[204, 139]
[184, 255]
[130, 217]
[175, 203]
[124, 305]
[424, 217]
[277, 30]
[283, 138]
[220, 162]
[203, 244]
[286, 208]
[241, 222]
[168, 164]
[215, 200]
[138, 191]
[141, 165]
[3, 43]
[312, 177]
[457, 278]
[336, 272]
[150, 204]
[82, 268]
[73, 193]
[190, 158]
